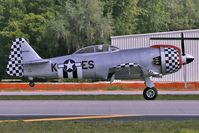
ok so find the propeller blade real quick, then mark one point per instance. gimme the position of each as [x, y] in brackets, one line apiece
[182, 43]
[183, 54]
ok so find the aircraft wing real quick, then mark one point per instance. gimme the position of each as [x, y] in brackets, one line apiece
[131, 68]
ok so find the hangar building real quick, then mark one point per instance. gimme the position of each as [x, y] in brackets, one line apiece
[143, 40]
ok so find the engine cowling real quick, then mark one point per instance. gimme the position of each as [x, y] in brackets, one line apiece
[170, 58]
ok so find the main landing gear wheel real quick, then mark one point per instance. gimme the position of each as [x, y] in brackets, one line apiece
[150, 93]
[31, 83]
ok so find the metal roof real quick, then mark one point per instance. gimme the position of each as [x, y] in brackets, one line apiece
[155, 34]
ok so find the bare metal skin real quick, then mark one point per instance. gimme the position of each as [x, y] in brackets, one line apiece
[101, 62]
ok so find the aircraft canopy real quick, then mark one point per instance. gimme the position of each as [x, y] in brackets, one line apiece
[96, 48]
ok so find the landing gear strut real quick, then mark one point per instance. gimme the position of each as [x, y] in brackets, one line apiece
[150, 93]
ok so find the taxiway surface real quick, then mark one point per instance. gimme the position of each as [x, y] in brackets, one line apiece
[159, 109]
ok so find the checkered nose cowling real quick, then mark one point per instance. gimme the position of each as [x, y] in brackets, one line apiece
[172, 60]
[14, 67]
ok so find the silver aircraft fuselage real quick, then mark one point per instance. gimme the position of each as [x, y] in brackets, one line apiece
[96, 65]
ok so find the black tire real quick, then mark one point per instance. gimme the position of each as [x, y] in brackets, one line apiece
[31, 83]
[150, 93]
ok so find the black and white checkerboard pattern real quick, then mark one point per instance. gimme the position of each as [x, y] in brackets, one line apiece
[126, 65]
[14, 67]
[172, 59]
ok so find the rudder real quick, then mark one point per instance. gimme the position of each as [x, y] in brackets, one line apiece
[15, 67]
[21, 52]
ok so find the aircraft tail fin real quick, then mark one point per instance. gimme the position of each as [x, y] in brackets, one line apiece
[20, 52]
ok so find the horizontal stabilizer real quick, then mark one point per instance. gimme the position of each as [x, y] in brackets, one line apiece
[36, 62]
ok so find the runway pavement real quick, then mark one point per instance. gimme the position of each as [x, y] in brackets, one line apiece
[44, 110]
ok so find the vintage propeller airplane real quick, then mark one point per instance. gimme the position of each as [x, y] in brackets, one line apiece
[102, 62]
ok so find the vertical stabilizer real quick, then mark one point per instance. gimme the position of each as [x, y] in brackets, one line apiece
[20, 52]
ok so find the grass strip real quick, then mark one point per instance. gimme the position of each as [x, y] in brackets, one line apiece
[159, 126]
[97, 97]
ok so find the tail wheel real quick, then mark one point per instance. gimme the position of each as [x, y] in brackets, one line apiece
[31, 83]
[150, 93]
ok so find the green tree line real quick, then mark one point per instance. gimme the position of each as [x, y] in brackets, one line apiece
[59, 27]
